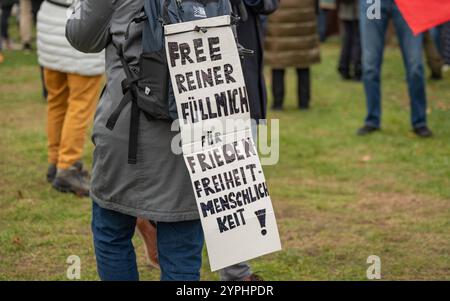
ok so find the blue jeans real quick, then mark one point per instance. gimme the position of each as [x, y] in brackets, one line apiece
[180, 247]
[373, 41]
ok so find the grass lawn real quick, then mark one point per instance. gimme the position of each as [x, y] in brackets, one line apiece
[338, 198]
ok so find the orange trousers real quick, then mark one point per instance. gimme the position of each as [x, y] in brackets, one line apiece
[72, 100]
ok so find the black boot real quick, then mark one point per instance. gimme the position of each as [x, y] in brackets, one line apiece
[304, 88]
[423, 132]
[367, 130]
[345, 74]
[278, 88]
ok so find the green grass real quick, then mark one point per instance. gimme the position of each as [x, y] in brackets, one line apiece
[338, 198]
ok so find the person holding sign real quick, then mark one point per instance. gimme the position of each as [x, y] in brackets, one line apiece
[158, 187]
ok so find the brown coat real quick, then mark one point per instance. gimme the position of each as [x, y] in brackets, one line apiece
[292, 39]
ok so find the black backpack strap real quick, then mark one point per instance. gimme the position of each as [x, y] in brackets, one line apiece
[112, 120]
[134, 133]
[130, 96]
[127, 90]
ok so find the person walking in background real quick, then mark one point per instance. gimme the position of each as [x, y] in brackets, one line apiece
[435, 61]
[292, 41]
[2, 58]
[73, 80]
[445, 43]
[373, 42]
[436, 34]
[6, 6]
[26, 21]
[441, 37]
[28, 16]
[350, 58]
[324, 9]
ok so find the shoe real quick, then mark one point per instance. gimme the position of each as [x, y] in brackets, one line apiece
[345, 75]
[253, 277]
[27, 48]
[147, 231]
[51, 171]
[423, 132]
[83, 172]
[366, 130]
[71, 180]
[435, 76]
[303, 107]
[277, 108]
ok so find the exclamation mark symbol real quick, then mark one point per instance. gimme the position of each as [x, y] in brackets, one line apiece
[261, 215]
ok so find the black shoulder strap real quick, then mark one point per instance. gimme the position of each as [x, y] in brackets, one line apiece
[130, 95]
[112, 120]
[134, 132]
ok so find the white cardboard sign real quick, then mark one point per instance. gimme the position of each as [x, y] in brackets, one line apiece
[227, 177]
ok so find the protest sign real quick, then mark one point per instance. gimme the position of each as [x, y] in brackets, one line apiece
[213, 108]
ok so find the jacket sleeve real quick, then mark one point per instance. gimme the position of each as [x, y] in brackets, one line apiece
[88, 28]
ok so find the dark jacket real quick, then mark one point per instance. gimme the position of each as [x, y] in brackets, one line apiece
[250, 35]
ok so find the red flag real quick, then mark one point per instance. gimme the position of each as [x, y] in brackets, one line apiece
[422, 15]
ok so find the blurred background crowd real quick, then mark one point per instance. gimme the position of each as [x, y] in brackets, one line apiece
[290, 37]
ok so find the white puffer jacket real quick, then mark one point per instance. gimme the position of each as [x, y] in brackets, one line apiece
[55, 52]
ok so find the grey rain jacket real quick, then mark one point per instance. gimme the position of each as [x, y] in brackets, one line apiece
[158, 186]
